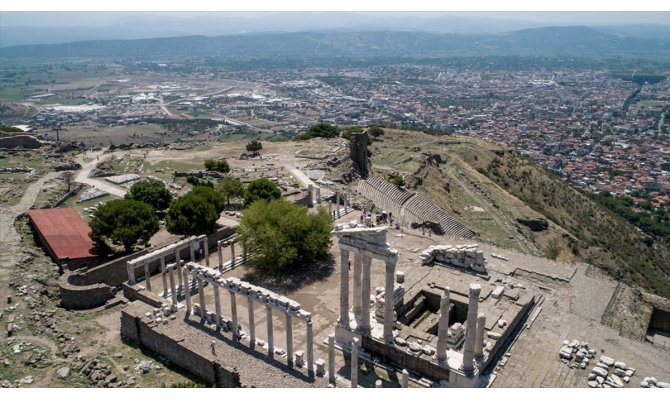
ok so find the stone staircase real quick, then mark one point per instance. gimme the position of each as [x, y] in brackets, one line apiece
[412, 207]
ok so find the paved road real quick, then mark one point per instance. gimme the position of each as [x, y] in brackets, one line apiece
[86, 168]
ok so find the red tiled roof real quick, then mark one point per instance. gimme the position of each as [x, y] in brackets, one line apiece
[65, 232]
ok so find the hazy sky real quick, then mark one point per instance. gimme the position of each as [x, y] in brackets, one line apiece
[66, 18]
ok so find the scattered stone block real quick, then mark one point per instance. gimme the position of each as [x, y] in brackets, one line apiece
[607, 360]
[615, 380]
[626, 379]
[591, 377]
[497, 292]
[592, 384]
[63, 372]
[320, 367]
[644, 384]
[600, 371]
[620, 365]
[619, 372]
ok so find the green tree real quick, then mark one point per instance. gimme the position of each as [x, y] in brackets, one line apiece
[154, 193]
[280, 234]
[230, 188]
[375, 131]
[217, 165]
[191, 214]
[126, 221]
[254, 146]
[321, 129]
[398, 180]
[262, 188]
[210, 195]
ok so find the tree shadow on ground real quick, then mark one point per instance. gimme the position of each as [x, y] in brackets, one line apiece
[292, 278]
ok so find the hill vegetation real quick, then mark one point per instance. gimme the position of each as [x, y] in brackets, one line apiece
[490, 189]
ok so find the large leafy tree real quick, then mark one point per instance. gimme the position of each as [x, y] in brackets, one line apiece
[230, 188]
[261, 189]
[254, 146]
[280, 234]
[211, 196]
[151, 192]
[217, 165]
[126, 221]
[191, 214]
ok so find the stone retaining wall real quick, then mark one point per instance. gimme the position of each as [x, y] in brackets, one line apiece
[83, 289]
[398, 356]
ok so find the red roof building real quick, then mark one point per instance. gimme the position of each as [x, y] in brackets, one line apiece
[64, 234]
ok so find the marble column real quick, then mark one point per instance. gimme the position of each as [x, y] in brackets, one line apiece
[131, 274]
[190, 248]
[310, 347]
[173, 288]
[354, 363]
[318, 195]
[331, 358]
[220, 253]
[479, 337]
[330, 207]
[470, 330]
[337, 204]
[205, 245]
[310, 192]
[164, 277]
[147, 276]
[289, 339]
[179, 269]
[201, 295]
[252, 324]
[346, 203]
[232, 254]
[404, 379]
[357, 285]
[217, 306]
[443, 328]
[271, 350]
[344, 288]
[187, 292]
[233, 311]
[388, 303]
[365, 295]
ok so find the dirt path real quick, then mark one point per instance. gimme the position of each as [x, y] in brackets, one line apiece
[9, 238]
[87, 167]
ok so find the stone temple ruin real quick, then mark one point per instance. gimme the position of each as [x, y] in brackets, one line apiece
[443, 329]
[451, 343]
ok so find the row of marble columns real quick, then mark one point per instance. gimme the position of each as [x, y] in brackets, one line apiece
[474, 331]
[160, 254]
[361, 293]
[338, 211]
[250, 306]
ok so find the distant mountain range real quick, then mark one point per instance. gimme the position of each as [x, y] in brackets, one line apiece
[546, 41]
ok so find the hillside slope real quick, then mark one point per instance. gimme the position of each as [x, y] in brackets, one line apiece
[491, 189]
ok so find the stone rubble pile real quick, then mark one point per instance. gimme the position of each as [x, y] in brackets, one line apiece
[651, 382]
[90, 194]
[581, 351]
[607, 373]
[462, 256]
[120, 179]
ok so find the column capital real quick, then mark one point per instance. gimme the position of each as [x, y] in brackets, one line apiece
[475, 289]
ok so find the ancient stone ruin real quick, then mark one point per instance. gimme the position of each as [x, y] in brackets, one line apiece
[461, 256]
